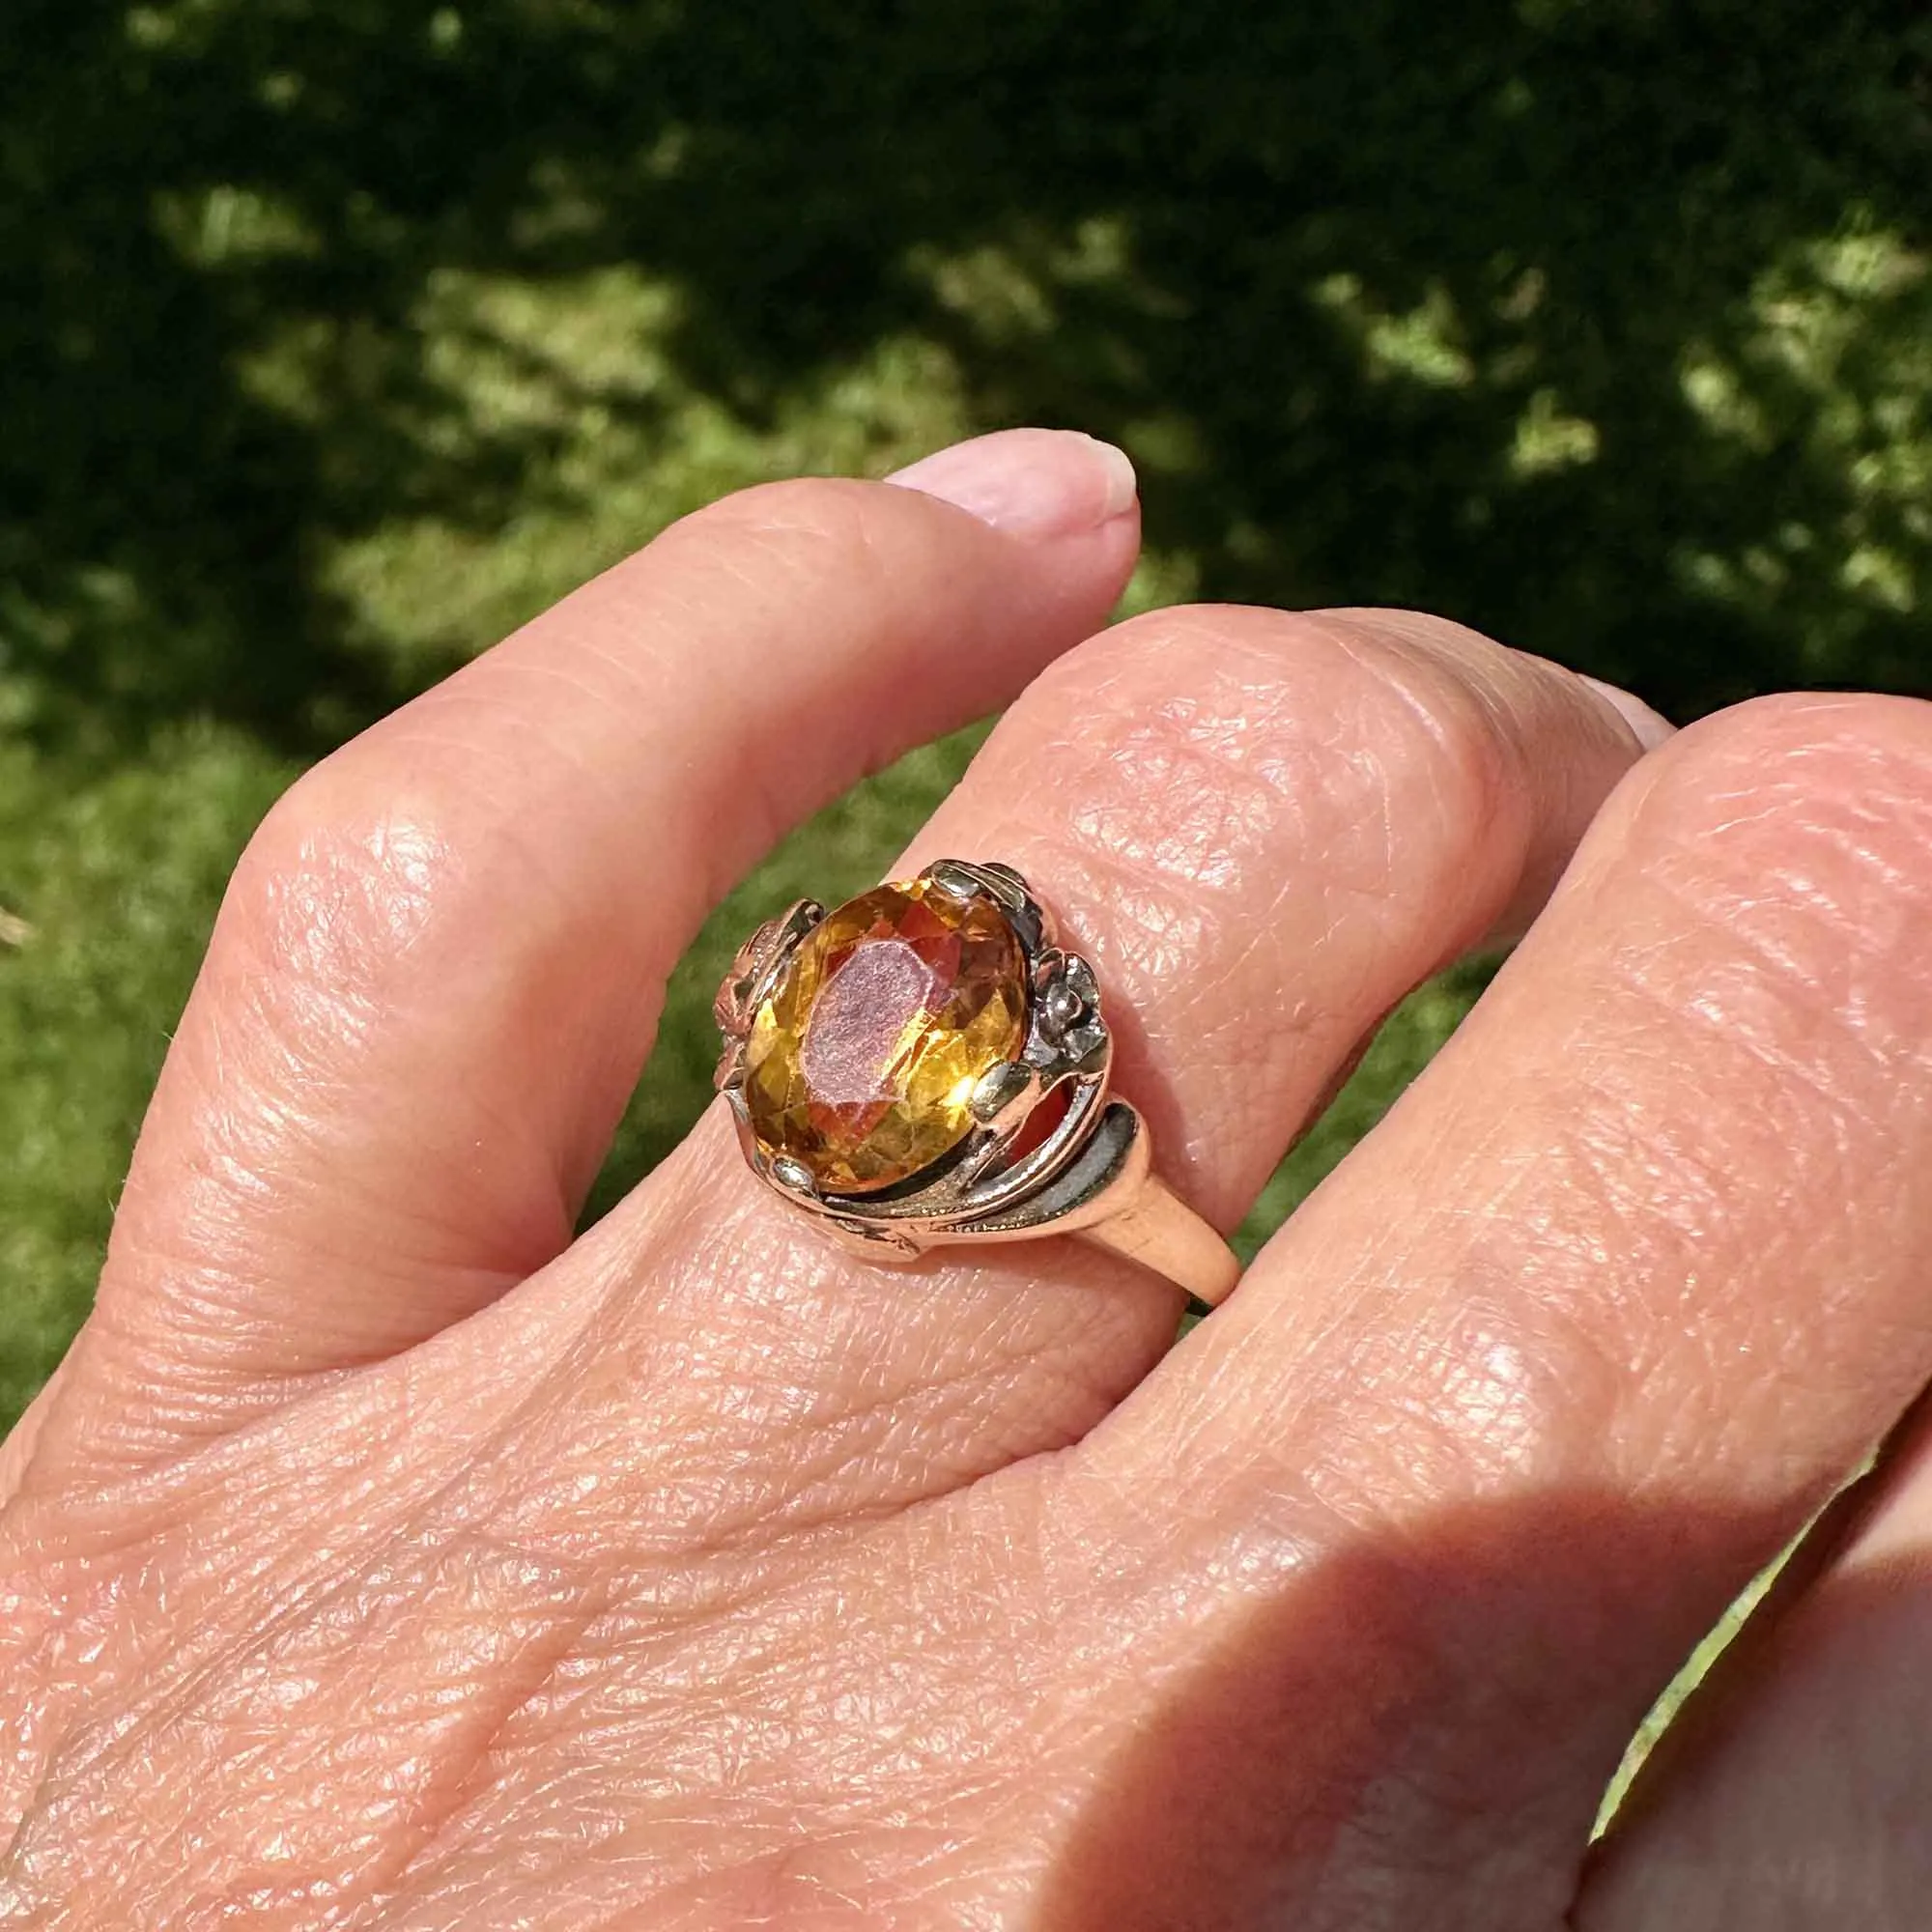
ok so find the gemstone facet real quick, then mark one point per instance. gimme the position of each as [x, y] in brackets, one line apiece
[862, 1061]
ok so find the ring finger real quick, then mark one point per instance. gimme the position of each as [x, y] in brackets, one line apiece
[1264, 830]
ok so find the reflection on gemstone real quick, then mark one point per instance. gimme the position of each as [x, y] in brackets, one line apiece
[861, 1063]
[868, 1023]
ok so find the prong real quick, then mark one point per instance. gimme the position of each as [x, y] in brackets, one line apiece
[1001, 1102]
[793, 1175]
[799, 920]
[966, 879]
[956, 879]
[999, 1088]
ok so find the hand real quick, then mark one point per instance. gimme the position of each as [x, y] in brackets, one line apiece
[382, 1556]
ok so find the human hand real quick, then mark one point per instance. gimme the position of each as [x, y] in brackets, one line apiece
[382, 1556]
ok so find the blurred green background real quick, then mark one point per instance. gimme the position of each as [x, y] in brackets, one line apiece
[337, 336]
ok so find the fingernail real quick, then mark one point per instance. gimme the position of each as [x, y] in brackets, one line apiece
[1029, 482]
[1652, 728]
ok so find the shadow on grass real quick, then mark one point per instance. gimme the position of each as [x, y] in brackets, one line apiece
[1601, 326]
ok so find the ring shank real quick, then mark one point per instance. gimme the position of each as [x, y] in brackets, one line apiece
[1156, 1228]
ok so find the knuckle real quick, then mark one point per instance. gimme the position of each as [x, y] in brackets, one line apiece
[1809, 749]
[1802, 825]
[339, 881]
[1202, 736]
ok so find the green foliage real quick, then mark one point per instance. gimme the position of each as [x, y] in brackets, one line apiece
[119, 878]
[338, 336]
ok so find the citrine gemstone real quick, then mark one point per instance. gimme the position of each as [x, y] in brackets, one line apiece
[861, 1063]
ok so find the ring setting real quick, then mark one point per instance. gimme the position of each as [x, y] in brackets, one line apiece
[925, 1064]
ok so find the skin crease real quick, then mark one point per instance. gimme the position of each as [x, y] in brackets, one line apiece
[384, 1557]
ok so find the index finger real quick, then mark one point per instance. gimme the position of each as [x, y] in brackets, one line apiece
[439, 967]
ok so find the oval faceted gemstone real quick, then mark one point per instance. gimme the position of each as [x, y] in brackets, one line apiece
[862, 1064]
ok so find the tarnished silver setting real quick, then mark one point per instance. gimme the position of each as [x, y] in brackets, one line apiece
[1092, 1173]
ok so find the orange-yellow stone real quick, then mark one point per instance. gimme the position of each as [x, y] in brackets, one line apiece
[863, 1061]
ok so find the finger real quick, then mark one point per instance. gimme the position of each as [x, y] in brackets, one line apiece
[1790, 1794]
[437, 972]
[1571, 1345]
[18, 1449]
[1263, 829]
[1252, 907]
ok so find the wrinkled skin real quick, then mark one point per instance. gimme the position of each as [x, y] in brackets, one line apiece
[382, 1556]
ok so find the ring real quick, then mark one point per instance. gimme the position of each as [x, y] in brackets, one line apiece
[923, 1066]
